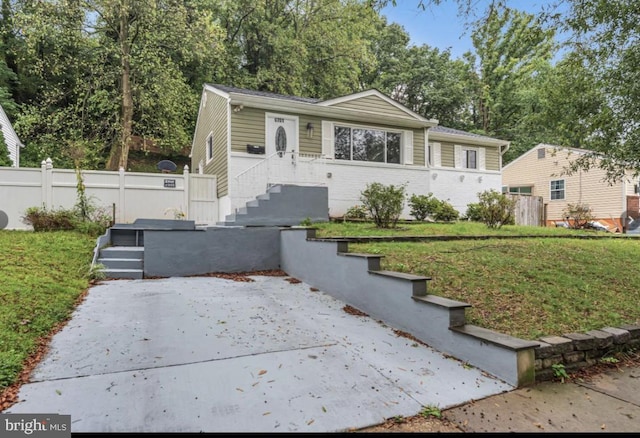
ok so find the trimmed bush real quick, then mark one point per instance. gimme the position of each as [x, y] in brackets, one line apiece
[496, 209]
[445, 212]
[356, 212]
[384, 203]
[422, 206]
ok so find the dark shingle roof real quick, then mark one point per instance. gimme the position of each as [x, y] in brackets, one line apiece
[445, 130]
[227, 89]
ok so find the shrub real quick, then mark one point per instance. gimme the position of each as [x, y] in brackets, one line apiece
[384, 203]
[579, 215]
[422, 206]
[42, 219]
[496, 209]
[474, 212]
[445, 212]
[356, 212]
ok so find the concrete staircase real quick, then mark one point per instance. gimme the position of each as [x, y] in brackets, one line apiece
[122, 261]
[283, 205]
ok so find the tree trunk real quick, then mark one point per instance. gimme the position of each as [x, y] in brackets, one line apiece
[120, 153]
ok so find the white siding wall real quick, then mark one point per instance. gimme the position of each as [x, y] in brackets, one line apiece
[10, 138]
[348, 179]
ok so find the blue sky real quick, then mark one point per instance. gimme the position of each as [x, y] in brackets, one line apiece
[441, 26]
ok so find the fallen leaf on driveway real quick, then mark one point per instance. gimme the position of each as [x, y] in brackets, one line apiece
[262, 372]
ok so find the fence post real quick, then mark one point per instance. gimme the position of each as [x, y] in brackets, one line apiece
[48, 183]
[121, 197]
[43, 183]
[187, 200]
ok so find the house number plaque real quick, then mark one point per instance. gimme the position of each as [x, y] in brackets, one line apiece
[279, 120]
[170, 183]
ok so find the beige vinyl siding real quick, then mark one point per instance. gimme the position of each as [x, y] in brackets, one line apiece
[247, 127]
[492, 154]
[589, 188]
[447, 154]
[310, 145]
[374, 104]
[418, 147]
[213, 118]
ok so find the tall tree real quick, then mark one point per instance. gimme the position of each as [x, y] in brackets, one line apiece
[299, 47]
[117, 68]
[511, 47]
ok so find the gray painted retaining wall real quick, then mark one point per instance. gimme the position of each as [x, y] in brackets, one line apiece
[216, 249]
[347, 278]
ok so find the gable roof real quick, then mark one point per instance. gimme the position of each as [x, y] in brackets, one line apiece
[316, 107]
[336, 108]
[228, 90]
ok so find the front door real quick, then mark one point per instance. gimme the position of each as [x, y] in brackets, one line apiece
[281, 134]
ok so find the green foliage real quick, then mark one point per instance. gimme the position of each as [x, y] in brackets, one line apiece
[358, 212]
[495, 209]
[306, 222]
[579, 215]
[474, 212]
[384, 203]
[445, 212]
[431, 411]
[42, 219]
[423, 206]
[559, 371]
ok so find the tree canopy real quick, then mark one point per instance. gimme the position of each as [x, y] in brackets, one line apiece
[86, 79]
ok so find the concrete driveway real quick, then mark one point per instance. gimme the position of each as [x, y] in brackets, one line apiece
[215, 355]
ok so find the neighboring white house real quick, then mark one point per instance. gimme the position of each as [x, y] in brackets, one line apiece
[10, 138]
[252, 139]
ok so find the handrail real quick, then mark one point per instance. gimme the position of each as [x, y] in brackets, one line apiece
[259, 163]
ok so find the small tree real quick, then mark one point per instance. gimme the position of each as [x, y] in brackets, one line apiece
[579, 215]
[496, 209]
[384, 203]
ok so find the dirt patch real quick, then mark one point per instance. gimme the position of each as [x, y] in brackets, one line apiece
[353, 311]
[402, 334]
[413, 424]
[293, 280]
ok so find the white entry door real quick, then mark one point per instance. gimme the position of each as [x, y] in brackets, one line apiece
[281, 133]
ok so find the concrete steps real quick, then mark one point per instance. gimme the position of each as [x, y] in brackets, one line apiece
[283, 205]
[122, 262]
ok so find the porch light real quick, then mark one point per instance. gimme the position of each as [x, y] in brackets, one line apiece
[310, 129]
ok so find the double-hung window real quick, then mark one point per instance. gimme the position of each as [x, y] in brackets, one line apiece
[557, 189]
[470, 158]
[367, 144]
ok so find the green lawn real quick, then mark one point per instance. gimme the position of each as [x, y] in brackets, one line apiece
[523, 287]
[42, 275]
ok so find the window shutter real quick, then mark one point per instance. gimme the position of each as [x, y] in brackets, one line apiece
[457, 159]
[328, 140]
[482, 153]
[436, 154]
[407, 139]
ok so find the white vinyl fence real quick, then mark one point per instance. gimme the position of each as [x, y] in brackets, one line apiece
[127, 195]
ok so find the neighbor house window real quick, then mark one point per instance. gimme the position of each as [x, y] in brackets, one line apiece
[557, 189]
[470, 158]
[209, 147]
[521, 190]
[367, 144]
[541, 153]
